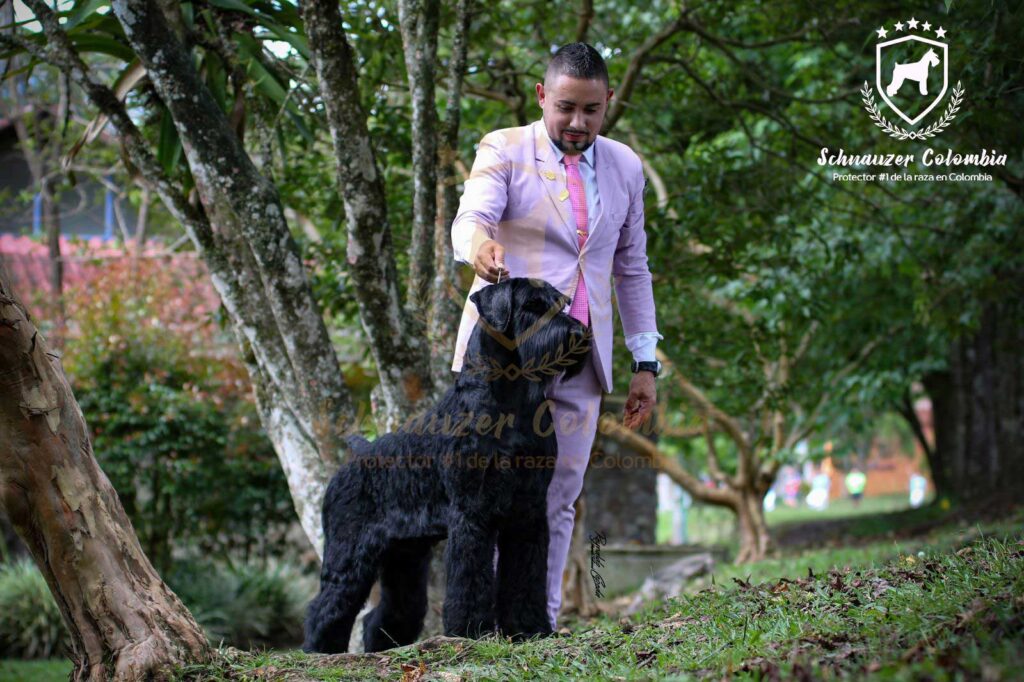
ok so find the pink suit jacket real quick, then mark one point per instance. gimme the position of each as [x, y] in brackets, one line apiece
[516, 195]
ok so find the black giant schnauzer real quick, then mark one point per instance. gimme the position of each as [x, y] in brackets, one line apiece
[478, 477]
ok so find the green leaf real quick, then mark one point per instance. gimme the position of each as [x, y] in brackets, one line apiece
[267, 21]
[236, 5]
[300, 125]
[216, 80]
[90, 42]
[169, 145]
[82, 10]
[296, 40]
[266, 82]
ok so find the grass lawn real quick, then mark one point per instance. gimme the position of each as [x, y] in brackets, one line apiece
[34, 671]
[716, 525]
[842, 507]
[948, 604]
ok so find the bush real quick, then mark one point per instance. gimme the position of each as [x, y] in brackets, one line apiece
[171, 414]
[31, 625]
[245, 606]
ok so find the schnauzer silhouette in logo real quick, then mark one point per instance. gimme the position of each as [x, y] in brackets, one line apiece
[914, 71]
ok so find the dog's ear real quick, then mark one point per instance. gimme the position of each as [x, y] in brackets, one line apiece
[495, 304]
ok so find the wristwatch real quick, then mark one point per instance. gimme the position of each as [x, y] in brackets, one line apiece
[653, 366]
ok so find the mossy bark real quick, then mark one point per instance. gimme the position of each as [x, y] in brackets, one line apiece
[400, 352]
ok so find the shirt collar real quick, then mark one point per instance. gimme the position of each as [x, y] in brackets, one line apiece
[588, 155]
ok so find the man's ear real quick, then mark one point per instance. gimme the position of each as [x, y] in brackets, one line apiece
[495, 304]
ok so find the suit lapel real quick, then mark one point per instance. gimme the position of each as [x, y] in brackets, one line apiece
[551, 176]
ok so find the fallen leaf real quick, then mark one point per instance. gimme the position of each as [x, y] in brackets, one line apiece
[413, 673]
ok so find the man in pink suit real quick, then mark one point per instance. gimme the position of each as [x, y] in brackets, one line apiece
[556, 201]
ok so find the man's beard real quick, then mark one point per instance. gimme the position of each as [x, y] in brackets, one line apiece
[566, 146]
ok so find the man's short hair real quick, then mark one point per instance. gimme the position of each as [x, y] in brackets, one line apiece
[578, 60]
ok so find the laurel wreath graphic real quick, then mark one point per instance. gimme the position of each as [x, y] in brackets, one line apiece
[533, 369]
[868, 96]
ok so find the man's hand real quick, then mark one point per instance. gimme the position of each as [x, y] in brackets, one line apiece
[490, 261]
[641, 401]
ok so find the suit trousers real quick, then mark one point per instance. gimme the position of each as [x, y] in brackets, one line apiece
[575, 407]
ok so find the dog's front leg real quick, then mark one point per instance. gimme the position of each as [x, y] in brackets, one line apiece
[522, 601]
[469, 560]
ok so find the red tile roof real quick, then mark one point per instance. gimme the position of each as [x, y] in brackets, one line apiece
[27, 263]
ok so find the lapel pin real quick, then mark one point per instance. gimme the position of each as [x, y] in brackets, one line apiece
[549, 175]
[564, 195]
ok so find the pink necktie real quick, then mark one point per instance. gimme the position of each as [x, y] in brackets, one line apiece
[578, 196]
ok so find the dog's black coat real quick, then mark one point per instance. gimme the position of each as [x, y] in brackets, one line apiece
[479, 487]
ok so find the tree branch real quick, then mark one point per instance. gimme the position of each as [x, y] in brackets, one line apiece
[586, 15]
[905, 407]
[636, 65]
[609, 427]
[704, 404]
[514, 102]
[714, 461]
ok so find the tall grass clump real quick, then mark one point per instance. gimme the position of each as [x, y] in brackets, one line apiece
[30, 622]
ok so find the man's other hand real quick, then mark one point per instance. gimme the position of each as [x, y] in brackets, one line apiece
[641, 401]
[490, 261]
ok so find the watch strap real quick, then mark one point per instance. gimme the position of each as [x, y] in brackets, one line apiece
[652, 366]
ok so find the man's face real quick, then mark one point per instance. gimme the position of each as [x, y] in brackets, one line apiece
[574, 110]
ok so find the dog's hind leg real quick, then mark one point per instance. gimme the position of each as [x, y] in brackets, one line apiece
[398, 619]
[469, 563]
[521, 593]
[349, 571]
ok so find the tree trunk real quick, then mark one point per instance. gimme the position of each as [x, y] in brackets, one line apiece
[124, 622]
[254, 263]
[445, 308]
[939, 385]
[418, 20]
[141, 222]
[978, 410]
[51, 226]
[755, 540]
[402, 357]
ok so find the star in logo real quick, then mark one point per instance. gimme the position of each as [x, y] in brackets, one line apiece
[912, 23]
[926, 26]
[941, 33]
[882, 32]
[899, 26]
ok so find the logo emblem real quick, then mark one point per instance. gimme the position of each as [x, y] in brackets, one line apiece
[911, 77]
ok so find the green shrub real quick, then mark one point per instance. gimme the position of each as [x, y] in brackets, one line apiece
[30, 622]
[246, 606]
[171, 415]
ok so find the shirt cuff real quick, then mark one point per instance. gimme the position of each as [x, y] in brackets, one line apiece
[642, 345]
[462, 245]
[467, 241]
